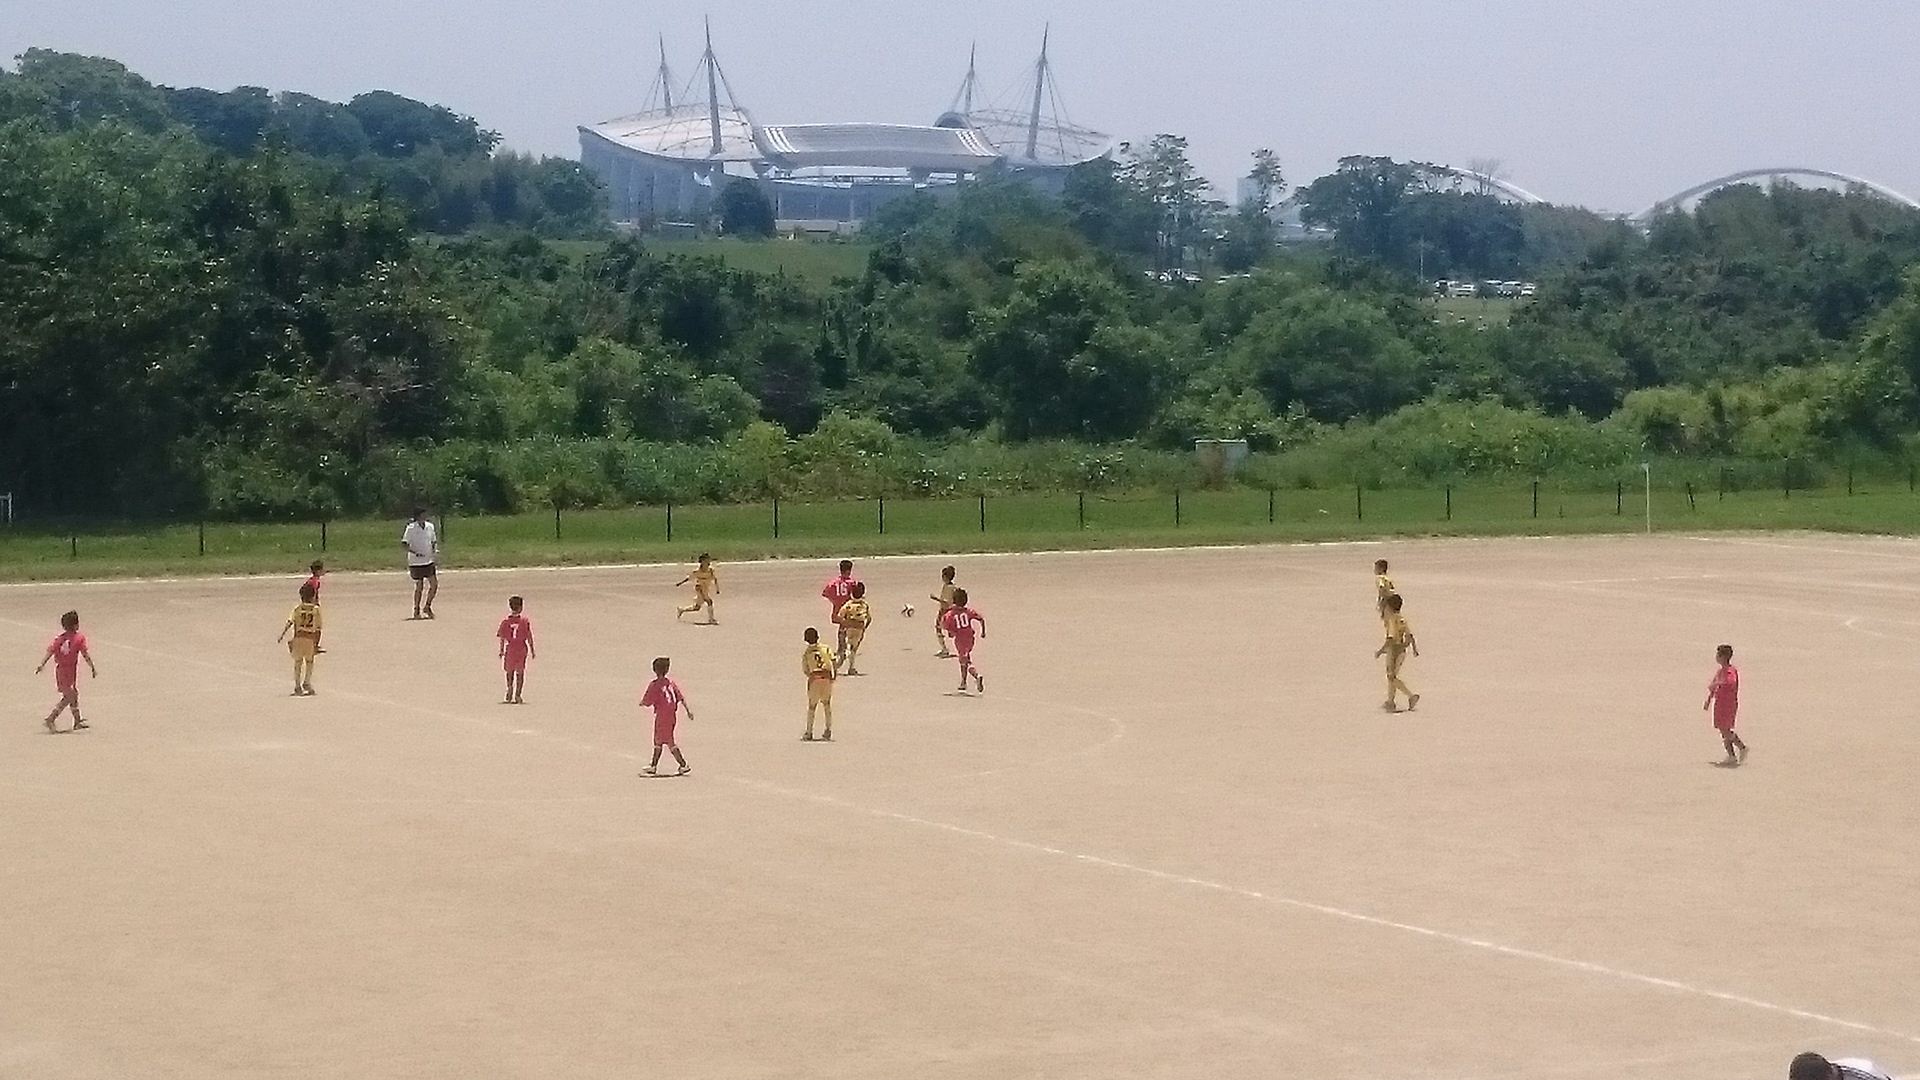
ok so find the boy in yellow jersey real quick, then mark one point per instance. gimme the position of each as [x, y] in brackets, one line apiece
[854, 618]
[706, 586]
[1382, 588]
[1398, 644]
[817, 663]
[944, 597]
[304, 622]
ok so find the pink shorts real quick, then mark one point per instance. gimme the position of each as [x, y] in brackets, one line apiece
[1723, 721]
[68, 683]
[516, 663]
[663, 730]
[963, 645]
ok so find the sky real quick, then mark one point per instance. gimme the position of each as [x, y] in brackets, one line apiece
[1611, 104]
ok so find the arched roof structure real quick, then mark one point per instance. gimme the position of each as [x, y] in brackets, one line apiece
[1675, 202]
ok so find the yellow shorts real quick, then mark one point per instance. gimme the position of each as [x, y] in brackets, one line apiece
[819, 691]
[303, 648]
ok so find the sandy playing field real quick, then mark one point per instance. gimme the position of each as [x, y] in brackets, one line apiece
[1175, 838]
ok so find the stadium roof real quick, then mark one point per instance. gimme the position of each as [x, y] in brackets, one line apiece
[881, 146]
[683, 132]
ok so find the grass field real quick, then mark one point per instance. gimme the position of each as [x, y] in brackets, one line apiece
[1491, 310]
[1012, 522]
[1176, 836]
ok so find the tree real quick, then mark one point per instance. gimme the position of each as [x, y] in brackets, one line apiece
[1266, 180]
[745, 209]
[1251, 233]
[1361, 202]
[1165, 178]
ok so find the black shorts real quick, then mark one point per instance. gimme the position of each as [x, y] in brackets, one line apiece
[422, 573]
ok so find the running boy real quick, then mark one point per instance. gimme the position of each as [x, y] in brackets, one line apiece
[66, 651]
[838, 591]
[1382, 588]
[943, 597]
[516, 648]
[315, 572]
[1398, 644]
[854, 618]
[960, 621]
[817, 662]
[664, 697]
[304, 621]
[706, 586]
[1723, 697]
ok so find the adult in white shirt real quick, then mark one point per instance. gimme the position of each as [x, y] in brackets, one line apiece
[1811, 1066]
[422, 542]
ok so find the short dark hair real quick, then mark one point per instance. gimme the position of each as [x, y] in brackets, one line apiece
[70, 621]
[1810, 1066]
[1394, 601]
[1380, 565]
[812, 636]
[1724, 650]
[860, 588]
[514, 602]
[419, 512]
[846, 565]
[660, 664]
[317, 566]
[947, 572]
[960, 597]
[704, 557]
[307, 593]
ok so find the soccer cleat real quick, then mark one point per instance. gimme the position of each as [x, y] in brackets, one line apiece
[979, 683]
[1743, 753]
[51, 730]
[826, 736]
[79, 724]
[807, 737]
[429, 610]
[684, 770]
[649, 771]
[1413, 702]
[1388, 706]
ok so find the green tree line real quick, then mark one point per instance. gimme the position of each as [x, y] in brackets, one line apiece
[219, 302]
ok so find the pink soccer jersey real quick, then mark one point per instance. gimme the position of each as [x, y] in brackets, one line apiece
[838, 591]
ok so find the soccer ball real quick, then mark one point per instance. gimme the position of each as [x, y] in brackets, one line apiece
[907, 610]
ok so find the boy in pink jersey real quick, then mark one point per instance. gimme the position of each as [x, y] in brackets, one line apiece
[664, 697]
[66, 651]
[1723, 697]
[516, 648]
[838, 591]
[959, 623]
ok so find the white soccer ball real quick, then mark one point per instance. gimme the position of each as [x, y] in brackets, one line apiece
[907, 610]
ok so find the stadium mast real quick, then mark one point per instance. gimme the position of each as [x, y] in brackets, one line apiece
[1039, 91]
[713, 89]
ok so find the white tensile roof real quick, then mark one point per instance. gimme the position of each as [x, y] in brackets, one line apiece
[684, 132]
[877, 146]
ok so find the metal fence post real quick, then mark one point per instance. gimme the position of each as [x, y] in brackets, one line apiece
[1083, 510]
[73, 546]
[1449, 502]
[1690, 505]
[1619, 497]
[883, 515]
[776, 517]
[1176, 508]
[983, 512]
[556, 521]
[323, 535]
[669, 521]
[1536, 498]
[1359, 506]
[1269, 506]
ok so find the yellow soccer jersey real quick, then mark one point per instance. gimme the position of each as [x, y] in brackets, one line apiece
[946, 595]
[856, 612]
[1383, 587]
[1398, 632]
[306, 620]
[817, 662]
[706, 579]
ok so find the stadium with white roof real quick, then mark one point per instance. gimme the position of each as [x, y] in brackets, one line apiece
[668, 161]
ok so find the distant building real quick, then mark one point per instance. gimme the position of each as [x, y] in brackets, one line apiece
[668, 161]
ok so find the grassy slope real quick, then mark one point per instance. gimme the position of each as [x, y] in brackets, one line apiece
[816, 262]
[1013, 523]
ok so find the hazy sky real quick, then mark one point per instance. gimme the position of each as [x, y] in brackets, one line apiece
[1609, 103]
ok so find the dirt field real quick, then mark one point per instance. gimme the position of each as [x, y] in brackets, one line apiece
[1175, 838]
